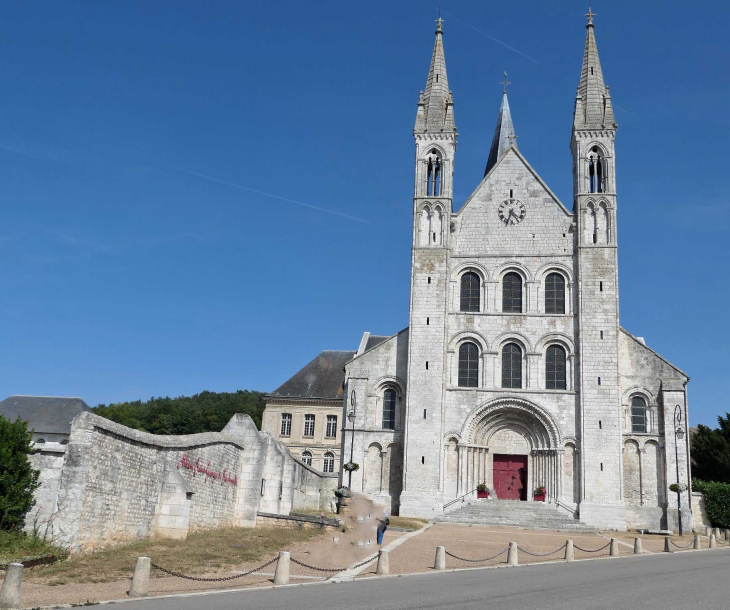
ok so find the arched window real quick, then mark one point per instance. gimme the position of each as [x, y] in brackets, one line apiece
[389, 409]
[596, 177]
[511, 366]
[554, 293]
[433, 175]
[555, 370]
[470, 287]
[638, 414]
[512, 293]
[329, 462]
[468, 365]
[307, 458]
[41, 440]
[424, 230]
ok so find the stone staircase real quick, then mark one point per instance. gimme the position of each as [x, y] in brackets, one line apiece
[533, 515]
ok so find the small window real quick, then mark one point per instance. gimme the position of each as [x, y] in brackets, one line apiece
[41, 440]
[512, 293]
[285, 424]
[555, 369]
[329, 462]
[429, 279]
[638, 414]
[554, 293]
[309, 425]
[468, 365]
[331, 426]
[307, 458]
[64, 441]
[389, 409]
[470, 287]
[511, 366]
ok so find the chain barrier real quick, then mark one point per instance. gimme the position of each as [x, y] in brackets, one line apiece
[221, 579]
[476, 560]
[682, 547]
[306, 565]
[544, 554]
[575, 546]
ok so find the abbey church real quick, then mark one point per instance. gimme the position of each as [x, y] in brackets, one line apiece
[514, 372]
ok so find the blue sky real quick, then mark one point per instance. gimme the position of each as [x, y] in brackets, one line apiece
[202, 196]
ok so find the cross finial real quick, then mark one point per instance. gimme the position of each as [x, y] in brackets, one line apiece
[512, 137]
[590, 14]
[439, 23]
[505, 82]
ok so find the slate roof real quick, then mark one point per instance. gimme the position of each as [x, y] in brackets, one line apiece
[323, 377]
[374, 340]
[49, 414]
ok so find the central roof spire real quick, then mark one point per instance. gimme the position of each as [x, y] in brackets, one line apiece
[504, 134]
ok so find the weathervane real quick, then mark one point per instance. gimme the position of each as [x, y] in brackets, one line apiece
[505, 82]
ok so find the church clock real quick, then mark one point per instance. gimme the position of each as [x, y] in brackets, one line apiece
[512, 211]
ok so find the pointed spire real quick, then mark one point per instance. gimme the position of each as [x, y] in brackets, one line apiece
[437, 100]
[593, 109]
[504, 134]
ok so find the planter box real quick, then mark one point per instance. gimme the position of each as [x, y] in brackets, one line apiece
[539, 497]
[482, 494]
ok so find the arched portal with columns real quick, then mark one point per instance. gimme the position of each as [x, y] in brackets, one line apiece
[504, 433]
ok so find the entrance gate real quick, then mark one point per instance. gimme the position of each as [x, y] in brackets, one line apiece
[510, 477]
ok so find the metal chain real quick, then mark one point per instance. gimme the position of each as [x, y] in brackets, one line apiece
[221, 579]
[476, 560]
[682, 547]
[311, 567]
[543, 554]
[575, 546]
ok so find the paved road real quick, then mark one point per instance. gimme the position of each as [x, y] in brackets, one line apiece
[686, 581]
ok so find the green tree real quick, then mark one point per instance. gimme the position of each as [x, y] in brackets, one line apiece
[204, 412]
[18, 479]
[711, 452]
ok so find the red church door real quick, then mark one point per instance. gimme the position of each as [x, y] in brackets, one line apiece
[510, 477]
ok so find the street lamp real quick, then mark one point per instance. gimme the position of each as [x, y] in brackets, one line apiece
[678, 436]
[351, 417]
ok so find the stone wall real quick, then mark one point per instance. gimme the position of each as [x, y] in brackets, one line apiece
[117, 484]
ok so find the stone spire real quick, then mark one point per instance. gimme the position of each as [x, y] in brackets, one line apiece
[436, 105]
[504, 134]
[593, 106]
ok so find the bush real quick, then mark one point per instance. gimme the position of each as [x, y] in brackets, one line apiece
[717, 501]
[18, 480]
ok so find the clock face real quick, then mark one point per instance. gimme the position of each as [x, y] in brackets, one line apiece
[511, 211]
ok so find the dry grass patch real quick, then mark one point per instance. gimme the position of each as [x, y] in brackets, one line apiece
[408, 523]
[202, 553]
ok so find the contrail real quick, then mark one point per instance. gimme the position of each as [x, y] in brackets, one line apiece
[265, 194]
[497, 40]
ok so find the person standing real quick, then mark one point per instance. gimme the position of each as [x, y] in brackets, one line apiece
[383, 522]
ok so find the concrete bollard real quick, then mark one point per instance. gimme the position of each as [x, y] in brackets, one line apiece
[281, 575]
[717, 533]
[10, 592]
[141, 578]
[697, 545]
[569, 551]
[712, 541]
[708, 531]
[613, 549]
[512, 559]
[383, 563]
[667, 548]
[638, 550]
[440, 562]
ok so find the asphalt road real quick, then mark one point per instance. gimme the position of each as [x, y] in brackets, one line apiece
[687, 581]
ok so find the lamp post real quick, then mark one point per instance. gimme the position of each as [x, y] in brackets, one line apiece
[678, 436]
[351, 417]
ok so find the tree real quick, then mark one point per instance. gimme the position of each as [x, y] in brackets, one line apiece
[711, 452]
[18, 479]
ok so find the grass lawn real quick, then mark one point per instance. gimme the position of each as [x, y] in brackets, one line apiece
[202, 552]
[16, 545]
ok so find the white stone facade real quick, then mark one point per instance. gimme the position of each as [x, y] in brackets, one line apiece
[577, 436]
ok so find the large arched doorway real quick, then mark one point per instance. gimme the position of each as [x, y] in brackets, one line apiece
[511, 445]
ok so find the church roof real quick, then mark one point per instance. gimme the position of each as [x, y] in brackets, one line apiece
[593, 101]
[49, 414]
[502, 140]
[374, 340]
[323, 377]
[435, 106]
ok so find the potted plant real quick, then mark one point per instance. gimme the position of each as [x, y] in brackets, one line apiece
[351, 466]
[482, 490]
[539, 494]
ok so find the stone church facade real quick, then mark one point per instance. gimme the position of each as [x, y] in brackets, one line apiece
[514, 370]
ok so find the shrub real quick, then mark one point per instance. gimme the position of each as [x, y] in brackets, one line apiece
[18, 480]
[717, 501]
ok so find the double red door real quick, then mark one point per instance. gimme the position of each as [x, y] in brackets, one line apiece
[510, 477]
